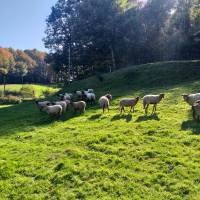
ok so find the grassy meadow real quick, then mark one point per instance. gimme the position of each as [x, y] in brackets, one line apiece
[39, 89]
[107, 156]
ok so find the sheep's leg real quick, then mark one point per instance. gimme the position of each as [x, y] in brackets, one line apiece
[146, 109]
[154, 109]
[133, 108]
[130, 109]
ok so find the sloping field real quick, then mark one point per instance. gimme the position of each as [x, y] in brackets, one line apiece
[107, 156]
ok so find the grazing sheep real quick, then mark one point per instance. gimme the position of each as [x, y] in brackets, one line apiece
[42, 104]
[196, 110]
[109, 96]
[54, 110]
[104, 103]
[128, 102]
[79, 106]
[152, 99]
[90, 97]
[61, 103]
[191, 98]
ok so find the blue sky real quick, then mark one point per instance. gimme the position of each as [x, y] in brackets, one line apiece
[22, 23]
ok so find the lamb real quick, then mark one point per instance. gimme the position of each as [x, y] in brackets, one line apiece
[42, 104]
[128, 102]
[191, 98]
[152, 99]
[63, 104]
[196, 110]
[104, 103]
[79, 106]
[54, 110]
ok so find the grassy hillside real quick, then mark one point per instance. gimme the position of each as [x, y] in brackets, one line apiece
[110, 156]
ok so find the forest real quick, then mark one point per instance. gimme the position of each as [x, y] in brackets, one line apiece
[91, 37]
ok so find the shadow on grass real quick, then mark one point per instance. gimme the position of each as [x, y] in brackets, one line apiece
[147, 118]
[192, 125]
[94, 117]
[26, 117]
[128, 117]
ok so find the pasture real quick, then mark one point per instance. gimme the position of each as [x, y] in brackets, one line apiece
[107, 156]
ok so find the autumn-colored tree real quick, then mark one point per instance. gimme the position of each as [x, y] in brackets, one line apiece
[6, 63]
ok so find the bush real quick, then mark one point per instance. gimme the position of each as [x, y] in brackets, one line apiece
[10, 99]
[47, 93]
[27, 92]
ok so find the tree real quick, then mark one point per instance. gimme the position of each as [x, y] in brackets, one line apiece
[6, 63]
[21, 68]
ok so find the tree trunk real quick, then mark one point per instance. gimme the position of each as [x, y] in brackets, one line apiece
[113, 58]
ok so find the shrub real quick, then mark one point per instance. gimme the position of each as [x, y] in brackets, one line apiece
[27, 92]
[47, 92]
[10, 99]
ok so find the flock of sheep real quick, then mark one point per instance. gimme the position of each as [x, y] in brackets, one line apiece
[57, 108]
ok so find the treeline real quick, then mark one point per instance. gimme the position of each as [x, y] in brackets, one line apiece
[29, 66]
[94, 36]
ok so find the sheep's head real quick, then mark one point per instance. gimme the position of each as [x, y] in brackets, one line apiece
[109, 96]
[185, 97]
[137, 98]
[162, 95]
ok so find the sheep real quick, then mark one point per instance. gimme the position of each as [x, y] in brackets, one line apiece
[78, 94]
[90, 91]
[89, 96]
[42, 104]
[104, 103]
[63, 104]
[53, 110]
[109, 96]
[196, 110]
[79, 106]
[128, 102]
[152, 99]
[191, 98]
[66, 96]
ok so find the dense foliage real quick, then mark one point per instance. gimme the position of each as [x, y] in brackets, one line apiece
[85, 37]
[17, 66]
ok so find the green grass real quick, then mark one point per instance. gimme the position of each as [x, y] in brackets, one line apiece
[107, 156]
[37, 88]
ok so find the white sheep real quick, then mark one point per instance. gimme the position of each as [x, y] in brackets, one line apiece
[90, 97]
[109, 96]
[78, 94]
[42, 104]
[104, 103]
[63, 104]
[152, 99]
[65, 96]
[128, 102]
[54, 110]
[191, 98]
[90, 91]
[79, 106]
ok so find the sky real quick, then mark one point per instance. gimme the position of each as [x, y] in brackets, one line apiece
[22, 23]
